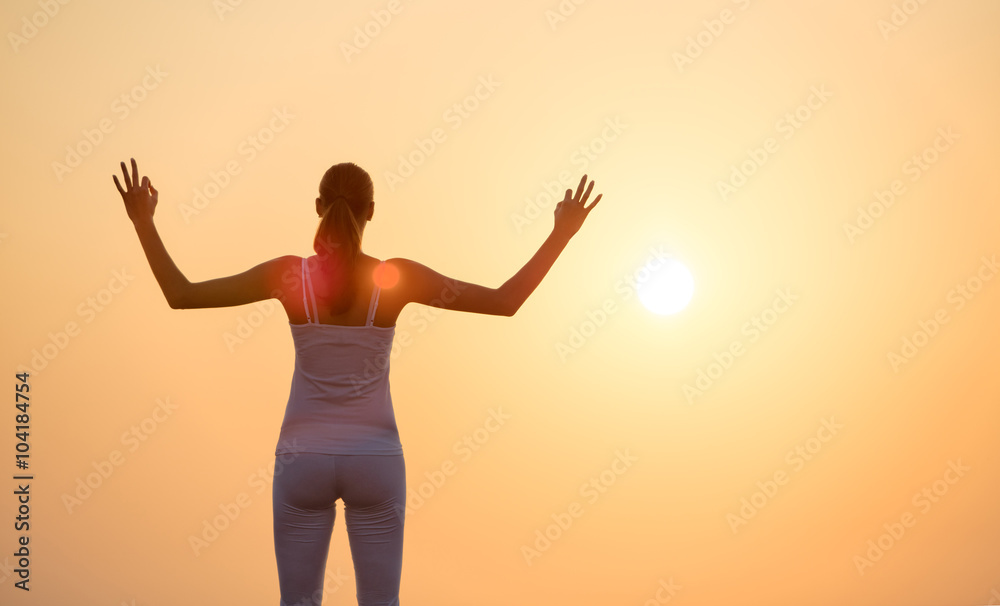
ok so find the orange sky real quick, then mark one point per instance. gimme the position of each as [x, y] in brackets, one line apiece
[817, 427]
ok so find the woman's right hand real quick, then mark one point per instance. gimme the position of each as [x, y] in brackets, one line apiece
[571, 212]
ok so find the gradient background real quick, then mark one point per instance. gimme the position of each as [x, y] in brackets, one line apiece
[666, 517]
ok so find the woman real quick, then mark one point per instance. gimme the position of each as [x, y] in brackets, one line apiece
[339, 426]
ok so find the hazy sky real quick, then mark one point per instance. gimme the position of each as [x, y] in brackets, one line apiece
[819, 426]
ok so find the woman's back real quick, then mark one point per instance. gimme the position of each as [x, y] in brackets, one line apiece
[339, 401]
[364, 278]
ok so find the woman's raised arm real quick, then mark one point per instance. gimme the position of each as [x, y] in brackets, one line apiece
[255, 284]
[140, 204]
[421, 284]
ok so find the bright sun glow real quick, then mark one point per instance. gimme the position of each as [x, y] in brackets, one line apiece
[669, 287]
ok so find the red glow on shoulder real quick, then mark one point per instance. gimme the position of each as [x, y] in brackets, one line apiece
[386, 276]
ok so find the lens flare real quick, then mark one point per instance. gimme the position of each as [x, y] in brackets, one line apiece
[386, 275]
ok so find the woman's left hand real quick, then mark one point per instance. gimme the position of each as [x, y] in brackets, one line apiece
[140, 200]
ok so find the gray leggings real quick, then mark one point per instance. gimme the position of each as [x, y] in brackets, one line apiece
[304, 496]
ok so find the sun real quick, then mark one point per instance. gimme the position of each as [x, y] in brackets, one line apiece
[668, 288]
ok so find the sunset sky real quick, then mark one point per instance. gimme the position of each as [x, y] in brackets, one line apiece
[817, 427]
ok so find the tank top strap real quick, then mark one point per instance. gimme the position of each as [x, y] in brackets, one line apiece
[373, 304]
[307, 286]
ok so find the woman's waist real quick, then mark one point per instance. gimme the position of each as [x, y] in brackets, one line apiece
[340, 439]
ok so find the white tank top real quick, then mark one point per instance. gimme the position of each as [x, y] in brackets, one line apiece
[339, 401]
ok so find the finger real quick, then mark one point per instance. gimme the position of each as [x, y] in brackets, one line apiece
[135, 174]
[128, 180]
[569, 195]
[118, 185]
[594, 203]
[579, 188]
[145, 182]
[586, 194]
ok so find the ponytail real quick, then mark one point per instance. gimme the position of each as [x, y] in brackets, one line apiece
[347, 192]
